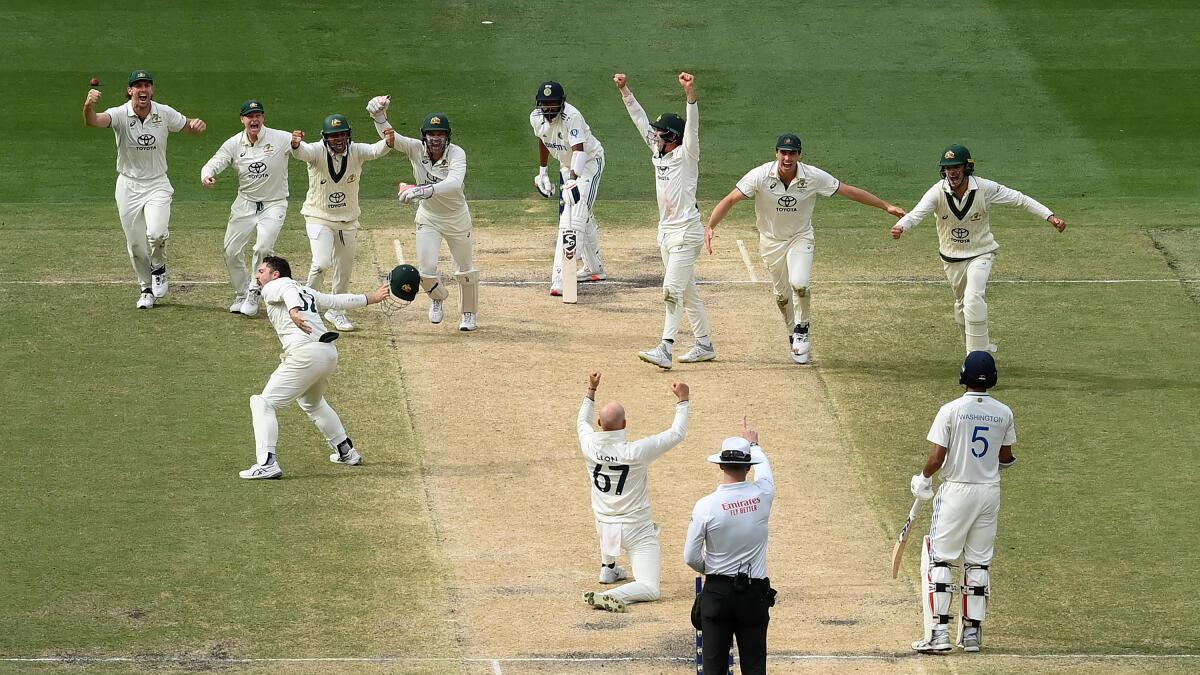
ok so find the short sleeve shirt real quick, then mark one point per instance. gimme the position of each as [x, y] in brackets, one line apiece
[142, 144]
[784, 212]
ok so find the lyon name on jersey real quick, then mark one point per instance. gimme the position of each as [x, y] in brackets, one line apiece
[784, 212]
[142, 144]
[972, 428]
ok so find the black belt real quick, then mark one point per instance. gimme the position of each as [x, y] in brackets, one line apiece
[728, 579]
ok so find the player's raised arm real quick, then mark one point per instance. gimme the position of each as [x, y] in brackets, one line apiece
[691, 131]
[923, 208]
[636, 113]
[92, 118]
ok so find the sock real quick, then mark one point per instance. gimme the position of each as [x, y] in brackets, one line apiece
[161, 270]
[705, 342]
[270, 459]
[344, 447]
[609, 565]
[801, 330]
[145, 290]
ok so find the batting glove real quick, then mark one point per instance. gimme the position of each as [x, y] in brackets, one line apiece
[922, 487]
[570, 193]
[416, 193]
[377, 108]
[543, 184]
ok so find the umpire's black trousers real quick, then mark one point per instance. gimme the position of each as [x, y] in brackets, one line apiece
[727, 610]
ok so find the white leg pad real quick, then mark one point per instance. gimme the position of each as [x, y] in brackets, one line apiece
[468, 286]
[938, 580]
[976, 589]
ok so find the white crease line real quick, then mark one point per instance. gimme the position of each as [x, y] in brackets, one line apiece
[746, 259]
[496, 661]
[399, 251]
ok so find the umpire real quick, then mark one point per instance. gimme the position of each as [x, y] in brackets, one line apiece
[727, 542]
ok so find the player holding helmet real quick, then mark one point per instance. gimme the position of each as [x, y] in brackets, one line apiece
[564, 134]
[961, 203]
[440, 170]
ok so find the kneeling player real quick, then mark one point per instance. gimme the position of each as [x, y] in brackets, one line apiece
[972, 440]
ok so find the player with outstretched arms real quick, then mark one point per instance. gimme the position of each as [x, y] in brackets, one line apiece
[440, 170]
[972, 439]
[564, 134]
[675, 154]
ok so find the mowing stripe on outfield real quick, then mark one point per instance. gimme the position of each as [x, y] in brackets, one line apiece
[496, 661]
[612, 282]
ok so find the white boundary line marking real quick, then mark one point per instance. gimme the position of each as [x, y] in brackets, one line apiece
[497, 661]
[613, 282]
[746, 259]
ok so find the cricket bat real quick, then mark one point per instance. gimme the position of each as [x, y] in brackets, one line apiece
[902, 540]
[569, 284]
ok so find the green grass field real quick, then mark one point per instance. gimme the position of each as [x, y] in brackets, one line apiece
[126, 532]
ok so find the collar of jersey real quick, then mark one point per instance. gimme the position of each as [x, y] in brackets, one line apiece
[615, 434]
[976, 393]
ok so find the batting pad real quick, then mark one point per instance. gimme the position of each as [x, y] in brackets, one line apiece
[435, 288]
[468, 285]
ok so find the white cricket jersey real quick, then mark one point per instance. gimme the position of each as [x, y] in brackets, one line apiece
[262, 167]
[285, 293]
[617, 466]
[333, 180]
[972, 428]
[963, 225]
[784, 212]
[446, 211]
[728, 532]
[567, 129]
[676, 173]
[142, 144]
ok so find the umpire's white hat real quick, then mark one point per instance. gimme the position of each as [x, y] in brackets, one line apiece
[734, 451]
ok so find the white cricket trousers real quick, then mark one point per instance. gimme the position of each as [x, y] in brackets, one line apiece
[249, 218]
[964, 522]
[302, 376]
[582, 219]
[680, 249]
[429, 244]
[790, 265]
[333, 246]
[144, 207]
[640, 541]
[968, 282]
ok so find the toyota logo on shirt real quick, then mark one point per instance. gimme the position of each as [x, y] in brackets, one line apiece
[257, 167]
[787, 201]
[145, 140]
[960, 233]
[337, 198]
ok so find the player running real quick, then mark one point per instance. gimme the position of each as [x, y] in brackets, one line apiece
[564, 134]
[440, 169]
[962, 203]
[144, 192]
[675, 154]
[617, 469]
[259, 154]
[785, 193]
[972, 440]
[331, 208]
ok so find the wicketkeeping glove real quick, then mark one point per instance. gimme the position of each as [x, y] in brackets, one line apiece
[543, 184]
[377, 108]
[416, 193]
[922, 487]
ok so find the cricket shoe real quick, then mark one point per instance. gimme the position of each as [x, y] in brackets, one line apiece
[351, 458]
[611, 575]
[339, 320]
[250, 306]
[938, 644]
[699, 353]
[436, 314]
[260, 472]
[468, 321]
[146, 299]
[801, 346]
[238, 301]
[586, 276]
[659, 356]
[603, 601]
[971, 639]
[158, 282]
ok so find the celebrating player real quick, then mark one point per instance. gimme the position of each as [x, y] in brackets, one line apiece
[564, 134]
[260, 156]
[675, 154]
[972, 440]
[617, 469]
[309, 360]
[961, 203]
[331, 208]
[440, 169]
[785, 192]
[144, 192]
